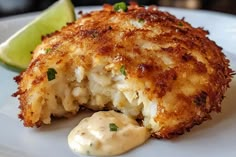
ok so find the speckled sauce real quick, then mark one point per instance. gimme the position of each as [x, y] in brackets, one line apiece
[106, 133]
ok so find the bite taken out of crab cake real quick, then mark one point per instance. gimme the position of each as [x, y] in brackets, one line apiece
[142, 62]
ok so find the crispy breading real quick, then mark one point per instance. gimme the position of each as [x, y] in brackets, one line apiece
[144, 62]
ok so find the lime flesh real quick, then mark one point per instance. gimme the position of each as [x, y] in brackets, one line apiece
[16, 51]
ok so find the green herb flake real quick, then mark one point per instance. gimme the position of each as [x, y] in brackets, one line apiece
[88, 152]
[122, 70]
[121, 6]
[48, 50]
[51, 73]
[141, 20]
[113, 127]
[180, 24]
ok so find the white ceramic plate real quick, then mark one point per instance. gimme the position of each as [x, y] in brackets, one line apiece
[213, 138]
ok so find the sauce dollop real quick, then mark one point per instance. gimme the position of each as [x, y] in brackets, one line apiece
[107, 133]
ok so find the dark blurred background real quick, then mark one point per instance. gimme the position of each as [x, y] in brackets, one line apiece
[12, 7]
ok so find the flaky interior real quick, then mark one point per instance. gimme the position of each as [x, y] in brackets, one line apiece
[101, 88]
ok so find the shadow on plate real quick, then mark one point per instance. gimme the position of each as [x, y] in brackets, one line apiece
[11, 68]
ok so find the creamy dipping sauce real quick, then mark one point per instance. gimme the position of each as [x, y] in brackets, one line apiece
[107, 133]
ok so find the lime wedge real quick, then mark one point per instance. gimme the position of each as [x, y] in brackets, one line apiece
[16, 51]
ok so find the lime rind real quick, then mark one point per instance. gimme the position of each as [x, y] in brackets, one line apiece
[16, 51]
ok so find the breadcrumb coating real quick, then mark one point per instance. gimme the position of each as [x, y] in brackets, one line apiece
[143, 62]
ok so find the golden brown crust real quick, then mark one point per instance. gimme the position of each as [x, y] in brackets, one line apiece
[187, 72]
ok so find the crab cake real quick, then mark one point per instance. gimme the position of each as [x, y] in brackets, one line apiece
[142, 62]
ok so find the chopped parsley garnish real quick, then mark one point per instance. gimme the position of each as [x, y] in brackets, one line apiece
[121, 6]
[181, 24]
[88, 152]
[48, 50]
[122, 70]
[51, 73]
[141, 20]
[113, 127]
